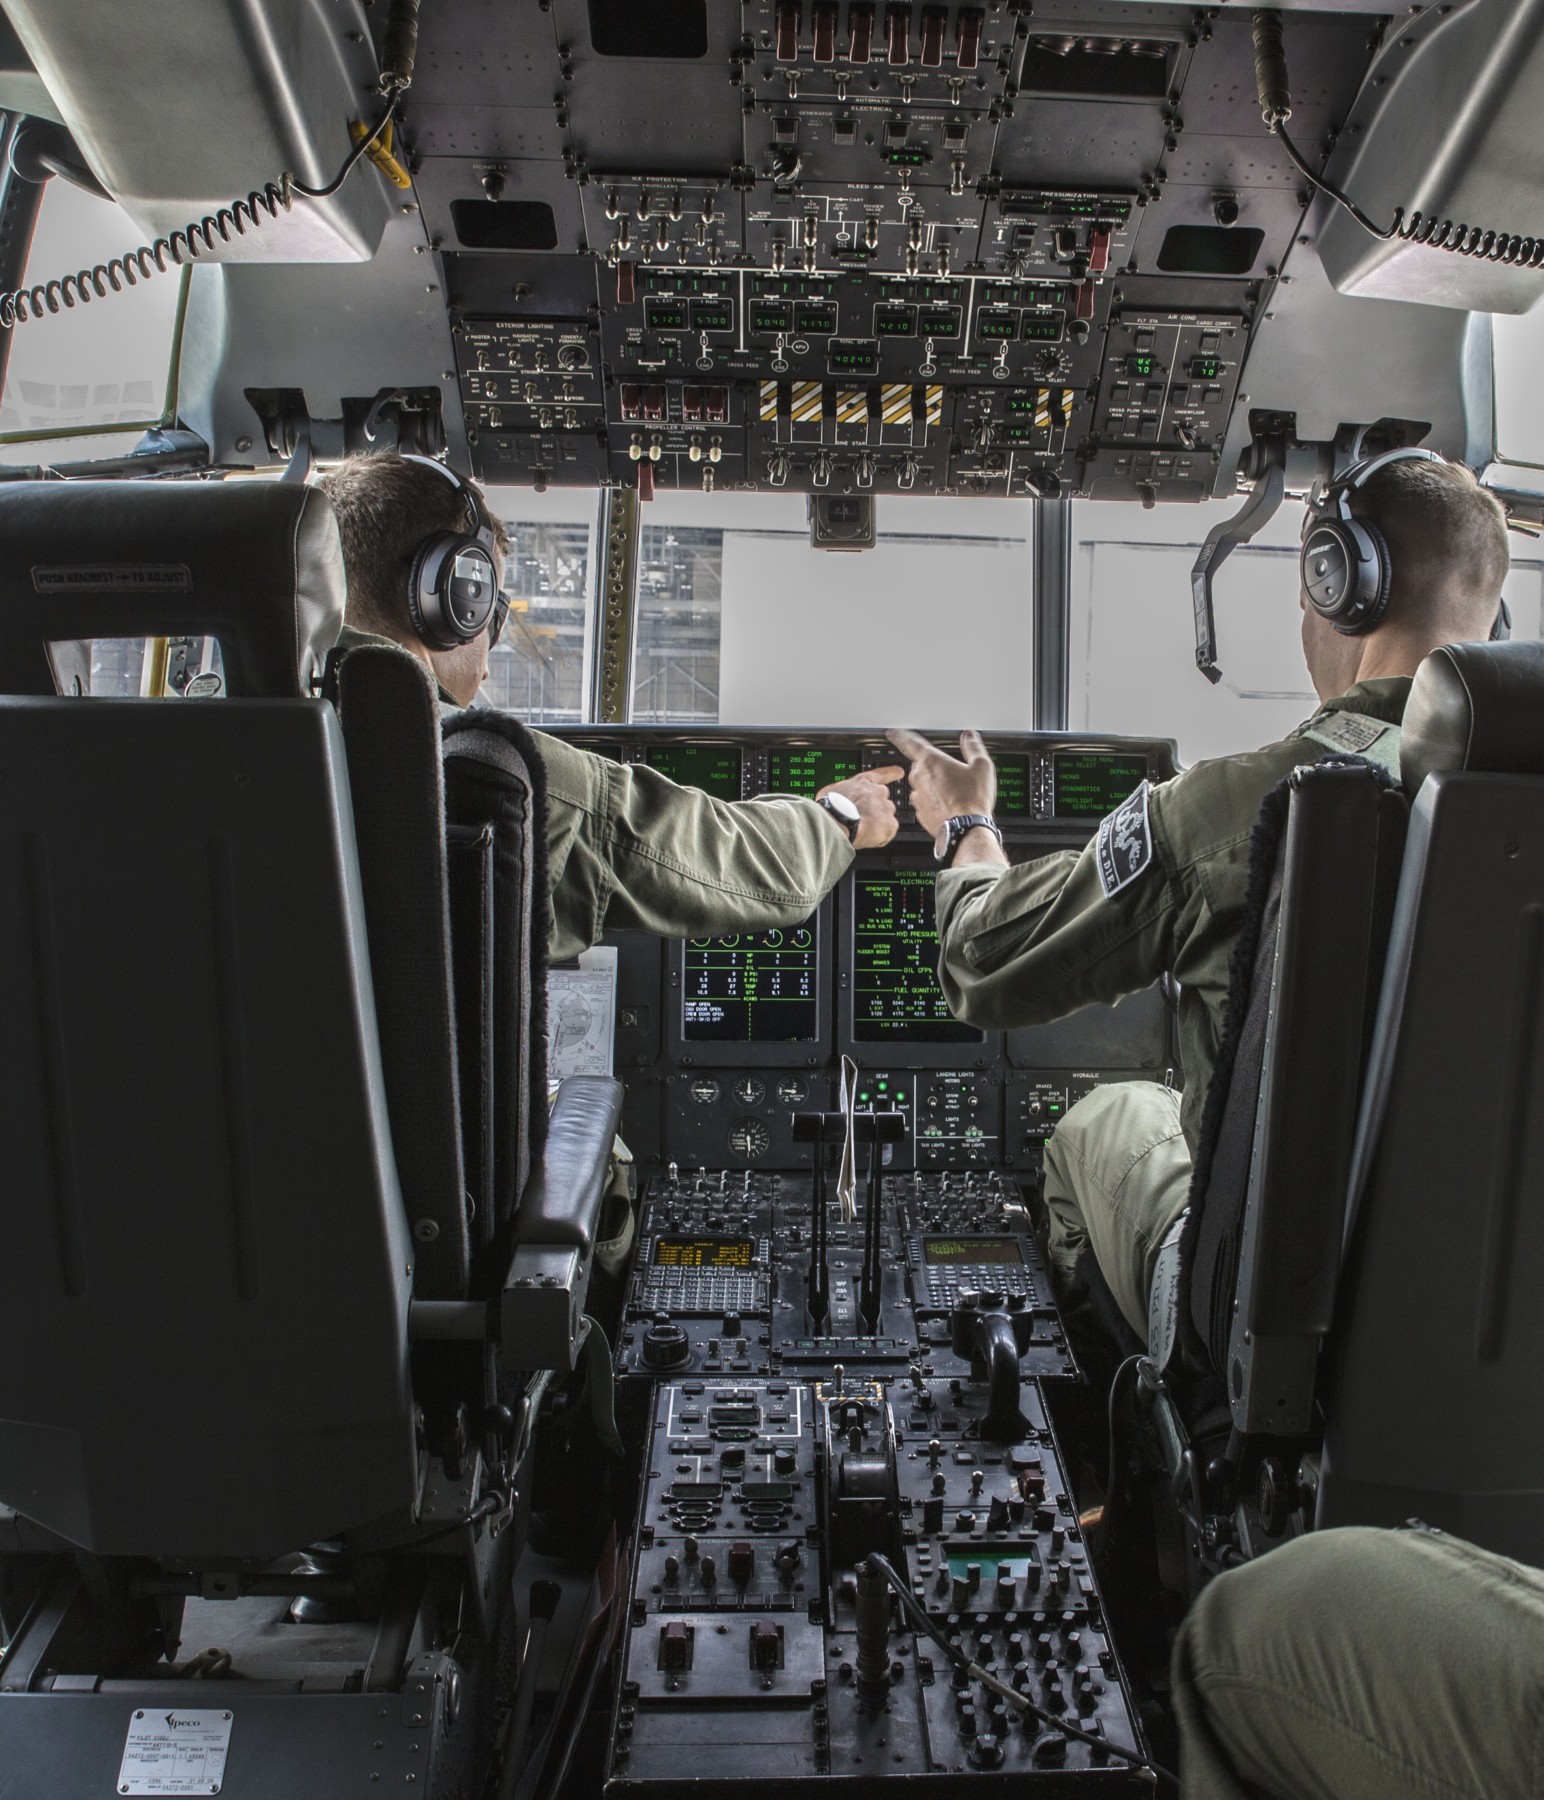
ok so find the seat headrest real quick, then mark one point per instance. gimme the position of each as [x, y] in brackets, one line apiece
[258, 565]
[1475, 706]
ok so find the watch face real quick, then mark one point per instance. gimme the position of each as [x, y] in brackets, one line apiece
[942, 842]
[846, 810]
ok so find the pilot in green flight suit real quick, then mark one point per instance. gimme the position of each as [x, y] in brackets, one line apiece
[1160, 888]
[1312, 1673]
[627, 847]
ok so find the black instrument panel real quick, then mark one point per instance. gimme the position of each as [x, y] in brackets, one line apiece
[721, 1040]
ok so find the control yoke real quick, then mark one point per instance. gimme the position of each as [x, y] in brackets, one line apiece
[1223, 539]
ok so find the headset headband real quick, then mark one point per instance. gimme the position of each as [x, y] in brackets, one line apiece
[482, 524]
[1360, 473]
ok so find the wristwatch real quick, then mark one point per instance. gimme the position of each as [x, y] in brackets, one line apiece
[844, 812]
[952, 830]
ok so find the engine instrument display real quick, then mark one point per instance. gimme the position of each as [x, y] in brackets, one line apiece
[751, 988]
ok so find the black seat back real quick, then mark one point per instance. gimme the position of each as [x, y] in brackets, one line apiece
[1260, 1249]
[1439, 1344]
[205, 1281]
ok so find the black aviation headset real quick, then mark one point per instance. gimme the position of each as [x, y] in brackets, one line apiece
[453, 592]
[1345, 562]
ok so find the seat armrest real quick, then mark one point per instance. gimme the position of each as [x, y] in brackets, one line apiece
[562, 1199]
[542, 1324]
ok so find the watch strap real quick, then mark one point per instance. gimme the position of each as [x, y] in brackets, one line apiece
[850, 826]
[959, 825]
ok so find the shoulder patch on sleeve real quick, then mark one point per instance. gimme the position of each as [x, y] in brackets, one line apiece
[1125, 844]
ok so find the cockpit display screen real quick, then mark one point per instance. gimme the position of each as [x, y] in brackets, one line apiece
[715, 768]
[895, 991]
[971, 1250]
[1087, 784]
[752, 987]
[704, 1252]
[806, 768]
[1013, 789]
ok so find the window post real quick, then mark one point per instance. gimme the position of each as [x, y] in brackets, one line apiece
[1052, 602]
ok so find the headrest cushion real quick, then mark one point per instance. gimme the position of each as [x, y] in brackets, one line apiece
[1475, 706]
[256, 564]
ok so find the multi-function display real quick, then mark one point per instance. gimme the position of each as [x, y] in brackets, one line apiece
[704, 1252]
[1087, 784]
[752, 988]
[895, 991]
[972, 1250]
[715, 768]
[806, 768]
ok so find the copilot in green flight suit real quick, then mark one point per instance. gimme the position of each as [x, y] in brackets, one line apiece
[1160, 888]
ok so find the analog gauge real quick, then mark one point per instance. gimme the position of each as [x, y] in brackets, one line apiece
[750, 1090]
[749, 1138]
[704, 1090]
[793, 1090]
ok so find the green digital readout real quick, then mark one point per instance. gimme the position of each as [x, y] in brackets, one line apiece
[712, 315]
[768, 316]
[968, 1250]
[751, 988]
[665, 315]
[907, 156]
[994, 325]
[1139, 362]
[813, 321]
[854, 356]
[940, 322]
[715, 768]
[895, 321]
[1044, 328]
[1206, 368]
[806, 768]
[1013, 795]
[895, 991]
[1087, 784]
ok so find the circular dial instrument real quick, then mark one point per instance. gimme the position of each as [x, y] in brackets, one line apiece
[793, 1090]
[750, 1090]
[704, 1090]
[749, 1138]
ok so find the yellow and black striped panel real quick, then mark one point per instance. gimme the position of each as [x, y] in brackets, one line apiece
[895, 403]
[806, 406]
[852, 406]
[769, 402]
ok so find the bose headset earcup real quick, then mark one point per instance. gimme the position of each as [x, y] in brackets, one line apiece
[1347, 571]
[453, 586]
[452, 590]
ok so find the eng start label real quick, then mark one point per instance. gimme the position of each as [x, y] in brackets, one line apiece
[175, 1750]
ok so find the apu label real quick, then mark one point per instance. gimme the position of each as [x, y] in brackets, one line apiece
[1125, 844]
[175, 1750]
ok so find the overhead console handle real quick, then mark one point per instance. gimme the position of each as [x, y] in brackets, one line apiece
[1222, 540]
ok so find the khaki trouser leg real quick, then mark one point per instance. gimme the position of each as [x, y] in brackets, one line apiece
[1117, 1175]
[1364, 1665]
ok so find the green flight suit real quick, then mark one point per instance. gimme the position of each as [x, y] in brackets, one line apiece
[1364, 1665]
[629, 849]
[1160, 888]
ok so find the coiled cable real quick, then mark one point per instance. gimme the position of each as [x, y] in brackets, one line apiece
[196, 239]
[1412, 227]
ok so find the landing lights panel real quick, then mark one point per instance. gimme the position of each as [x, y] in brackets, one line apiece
[753, 998]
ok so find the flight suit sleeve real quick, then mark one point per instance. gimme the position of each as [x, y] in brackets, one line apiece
[630, 849]
[1034, 942]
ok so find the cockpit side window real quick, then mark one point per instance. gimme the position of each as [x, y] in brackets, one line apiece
[85, 381]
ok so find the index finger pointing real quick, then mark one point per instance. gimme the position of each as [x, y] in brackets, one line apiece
[971, 746]
[909, 743]
[890, 772]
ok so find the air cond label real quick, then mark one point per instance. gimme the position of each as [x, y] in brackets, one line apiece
[175, 1750]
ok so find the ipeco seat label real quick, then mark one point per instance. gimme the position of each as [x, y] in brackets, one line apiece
[175, 1750]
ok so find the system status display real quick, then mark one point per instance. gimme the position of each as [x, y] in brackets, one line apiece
[805, 769]
[704, 1253]
[895, 991]
[1089, 784]
[751, 988]
[715, 768]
